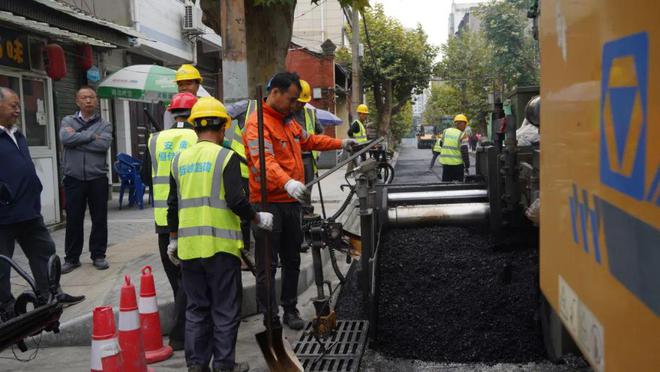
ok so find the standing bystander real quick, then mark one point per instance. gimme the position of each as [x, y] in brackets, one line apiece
[86, 138]
[20, 208]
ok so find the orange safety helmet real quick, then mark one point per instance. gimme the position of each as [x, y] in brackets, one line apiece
[182, 101]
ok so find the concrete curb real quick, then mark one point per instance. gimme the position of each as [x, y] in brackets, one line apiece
[78, 331]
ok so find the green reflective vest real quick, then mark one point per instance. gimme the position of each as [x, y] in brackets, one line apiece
[451, 147]
[206, 225]
[361, 136]
[310, 127]
[234, 141]
[163, 147]
[437, 147]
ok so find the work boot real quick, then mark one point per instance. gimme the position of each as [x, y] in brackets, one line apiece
[69, 266]
[101, 264]
[238, 367]
[293, 320]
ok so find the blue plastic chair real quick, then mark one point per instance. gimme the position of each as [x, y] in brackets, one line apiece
[128, 170]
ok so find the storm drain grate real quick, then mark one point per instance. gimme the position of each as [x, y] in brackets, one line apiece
[343, 356]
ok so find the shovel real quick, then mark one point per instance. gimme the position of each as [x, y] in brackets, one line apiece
[277, 352]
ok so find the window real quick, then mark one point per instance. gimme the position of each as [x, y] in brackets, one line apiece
[33, 94]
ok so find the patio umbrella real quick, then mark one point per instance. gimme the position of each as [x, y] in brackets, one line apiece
[144, 83]
[326, 118]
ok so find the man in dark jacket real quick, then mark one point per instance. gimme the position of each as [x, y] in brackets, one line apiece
[20, 207]
[86, 138]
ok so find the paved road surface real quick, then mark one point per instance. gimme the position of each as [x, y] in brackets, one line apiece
[413, 164]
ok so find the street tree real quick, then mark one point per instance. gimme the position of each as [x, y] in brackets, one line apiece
[268, 31]
[398, 63]
[515, 57]
[445, 100]
[465, 68]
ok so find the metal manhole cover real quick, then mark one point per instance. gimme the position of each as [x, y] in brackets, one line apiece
[343, 356]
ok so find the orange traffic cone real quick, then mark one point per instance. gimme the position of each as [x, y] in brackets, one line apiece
[130, 334]
[105, 350]
[155, 351]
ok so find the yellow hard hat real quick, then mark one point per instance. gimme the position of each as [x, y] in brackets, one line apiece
[362, 109]
[187, 72]
[306, 93]
[208, 108]
[460, 117]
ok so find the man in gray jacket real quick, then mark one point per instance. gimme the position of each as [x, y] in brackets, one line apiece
[86, 138]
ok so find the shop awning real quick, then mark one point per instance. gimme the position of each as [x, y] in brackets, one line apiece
[54, 32]
[73, 11]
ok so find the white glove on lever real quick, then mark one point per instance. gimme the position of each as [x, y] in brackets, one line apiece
[348, 144]
[172, 251]
[296, 190]
[265, 221]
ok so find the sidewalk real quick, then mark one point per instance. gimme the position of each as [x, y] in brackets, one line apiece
[132, 245]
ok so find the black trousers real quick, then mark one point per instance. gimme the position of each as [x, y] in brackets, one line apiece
[452, 173]
[285, 241]
[80, 195]
[435, 156]
[214, 290]
[174, 277]
[466, 156]
[38, 246]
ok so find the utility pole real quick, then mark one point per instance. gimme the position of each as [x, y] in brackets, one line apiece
[234, 51]
[355, 52]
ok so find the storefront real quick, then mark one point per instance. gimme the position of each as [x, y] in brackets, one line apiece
[22, 70]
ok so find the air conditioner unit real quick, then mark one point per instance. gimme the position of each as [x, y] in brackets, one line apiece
[192, 19]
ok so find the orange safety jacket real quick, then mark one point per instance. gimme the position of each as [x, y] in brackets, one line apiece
[284, 143]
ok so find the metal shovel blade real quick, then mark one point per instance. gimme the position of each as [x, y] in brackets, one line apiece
[277, 352]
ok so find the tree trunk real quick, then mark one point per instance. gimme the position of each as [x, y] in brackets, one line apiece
[386, 114]
[268, 33]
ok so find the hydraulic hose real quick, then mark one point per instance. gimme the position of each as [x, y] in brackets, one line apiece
[344, 205]
[335, 267]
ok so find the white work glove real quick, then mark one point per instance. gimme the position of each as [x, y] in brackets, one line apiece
[296, 190]
[348, 144]
[265, 221]
[172, 251]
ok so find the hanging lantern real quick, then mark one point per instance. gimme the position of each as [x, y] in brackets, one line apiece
[56, 61]
[85, 57]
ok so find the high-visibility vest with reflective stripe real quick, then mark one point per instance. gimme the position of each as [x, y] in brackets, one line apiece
[451, 147]
[163, 147]
[234, 141]
[437, 147]
[361, 136]
[310, 127]
[206, 225]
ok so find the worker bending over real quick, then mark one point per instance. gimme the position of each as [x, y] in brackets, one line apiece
[205, 204]
[163, 147]
[450, 153]
[284, 141]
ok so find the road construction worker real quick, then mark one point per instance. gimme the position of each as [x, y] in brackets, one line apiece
[358, 129]
[306, 118]
[284, 142]
[437, 148]
[163, 146]
[205, 204]
[450, 154]
[187, 79]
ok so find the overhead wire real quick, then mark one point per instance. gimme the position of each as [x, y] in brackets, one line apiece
[371, 50]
